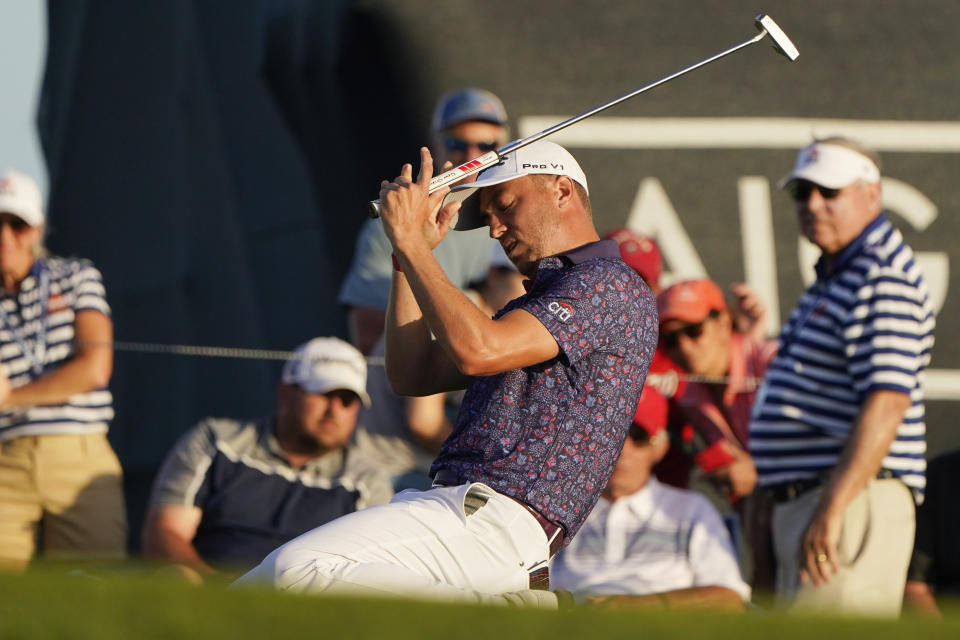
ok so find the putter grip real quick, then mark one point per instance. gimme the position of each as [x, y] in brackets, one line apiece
[446, 178]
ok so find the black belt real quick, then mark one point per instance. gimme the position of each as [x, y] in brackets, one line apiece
[553, 530]
[787, 491]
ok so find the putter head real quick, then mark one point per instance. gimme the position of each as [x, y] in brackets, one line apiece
[781, 43]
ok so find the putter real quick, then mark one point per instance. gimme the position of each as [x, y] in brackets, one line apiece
[764, 23]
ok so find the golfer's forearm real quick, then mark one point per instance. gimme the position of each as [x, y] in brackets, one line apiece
[459, 326]
[408, 340]
[869, 443]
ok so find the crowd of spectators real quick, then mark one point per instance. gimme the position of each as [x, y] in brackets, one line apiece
[793, 465]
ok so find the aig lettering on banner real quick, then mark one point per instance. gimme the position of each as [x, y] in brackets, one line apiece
[562, 310]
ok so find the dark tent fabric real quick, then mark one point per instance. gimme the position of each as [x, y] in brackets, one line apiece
[203, 155]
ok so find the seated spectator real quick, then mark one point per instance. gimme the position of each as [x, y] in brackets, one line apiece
[647, 544]
[402, 434]
[231, 491]
[466, 124]
[723, 366]
[935, 564]
[61, 489]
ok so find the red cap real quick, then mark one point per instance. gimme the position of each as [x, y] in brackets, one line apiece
[651, 413]
[641, 252]
[690, 301]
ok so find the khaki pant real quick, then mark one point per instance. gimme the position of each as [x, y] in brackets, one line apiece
[874, 551]
[63, 492]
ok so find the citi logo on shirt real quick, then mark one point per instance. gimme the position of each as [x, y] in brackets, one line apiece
[560, 309]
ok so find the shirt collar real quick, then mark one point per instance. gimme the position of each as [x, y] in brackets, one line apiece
[592, 250]
[33, 276]
[578, 255]
[852, 250]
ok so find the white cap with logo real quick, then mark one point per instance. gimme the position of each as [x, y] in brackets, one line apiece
[20, 195]
[542, 157]
[832, 165]
[327, 364]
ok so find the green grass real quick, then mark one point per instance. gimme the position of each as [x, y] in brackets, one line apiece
[52, 602]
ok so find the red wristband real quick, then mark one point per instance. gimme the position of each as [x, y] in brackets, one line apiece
[396, 263]
[713, 457]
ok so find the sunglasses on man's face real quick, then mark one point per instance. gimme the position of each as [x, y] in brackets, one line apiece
[801, 189]
[458, 144]
[638, 434]
[671, 339]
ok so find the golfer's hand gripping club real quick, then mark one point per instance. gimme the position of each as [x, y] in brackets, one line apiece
[447, 178]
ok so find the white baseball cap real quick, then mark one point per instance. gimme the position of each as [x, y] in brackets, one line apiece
[832, 166]
[542, 157]
[327, 364]
[20, 195]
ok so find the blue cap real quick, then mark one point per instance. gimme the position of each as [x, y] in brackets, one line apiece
[466, 105]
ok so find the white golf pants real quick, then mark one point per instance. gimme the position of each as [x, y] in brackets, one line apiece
[456, 543]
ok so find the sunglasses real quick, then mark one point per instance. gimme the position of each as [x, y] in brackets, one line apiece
[457, 144]
[801, 189]
[638, 434]
[671, 340]
[347, 398]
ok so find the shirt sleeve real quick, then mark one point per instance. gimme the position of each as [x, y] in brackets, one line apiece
[182, 478]
[585, 310]
[89, 290]
[367, 283]
[888, 334]
[712, 557]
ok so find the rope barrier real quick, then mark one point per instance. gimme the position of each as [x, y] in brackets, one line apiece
[666, 383]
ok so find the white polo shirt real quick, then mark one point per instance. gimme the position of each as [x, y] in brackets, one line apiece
[655, 540]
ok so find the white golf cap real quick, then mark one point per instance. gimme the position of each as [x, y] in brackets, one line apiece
[327, 364]
[832, 166]
[541, 157]
[20, 195]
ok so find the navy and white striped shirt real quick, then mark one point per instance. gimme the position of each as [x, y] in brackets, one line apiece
[865, 326]
[72, 286]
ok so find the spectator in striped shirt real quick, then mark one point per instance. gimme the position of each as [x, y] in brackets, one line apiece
[837, 433]
[60, 481]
